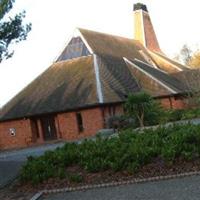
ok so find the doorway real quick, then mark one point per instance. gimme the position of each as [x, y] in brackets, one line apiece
[48, 127]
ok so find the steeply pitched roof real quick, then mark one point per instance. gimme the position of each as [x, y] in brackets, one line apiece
[73, 82]
[168, 80]
[166, 64]
[114, 46]
[116, 79]
[191, 78]
[154, 80]
[64, 85]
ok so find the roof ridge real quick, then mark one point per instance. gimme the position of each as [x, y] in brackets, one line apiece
[108, 34]
[172, 85]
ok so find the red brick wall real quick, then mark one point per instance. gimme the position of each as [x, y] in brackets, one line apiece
[92, 122]
[113, 110]
[172, 103]
[66, 125]
[21, 139]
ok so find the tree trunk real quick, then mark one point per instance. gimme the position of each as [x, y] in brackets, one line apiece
[141, 120]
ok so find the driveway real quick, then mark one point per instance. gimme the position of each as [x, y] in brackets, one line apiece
[187, 188]
[11, 161]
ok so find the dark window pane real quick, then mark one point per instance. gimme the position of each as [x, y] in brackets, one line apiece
[79, 122]
[76, 48]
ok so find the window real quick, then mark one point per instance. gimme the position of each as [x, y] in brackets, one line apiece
[111, 110]
[75, 48]
[34, 127]
[79, 122]
[114, 110]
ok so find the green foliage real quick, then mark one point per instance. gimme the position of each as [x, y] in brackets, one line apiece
[12, 29]
[129, 151]
[5, 7]
[76, 178]
[120, 122]
[176, 115]
[143, 108]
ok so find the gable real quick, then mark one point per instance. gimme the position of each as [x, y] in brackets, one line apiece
[75, 48]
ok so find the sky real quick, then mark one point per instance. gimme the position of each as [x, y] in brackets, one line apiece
[54, 21]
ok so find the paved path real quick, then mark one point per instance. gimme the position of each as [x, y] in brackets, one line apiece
[11, 161]
[187, 188]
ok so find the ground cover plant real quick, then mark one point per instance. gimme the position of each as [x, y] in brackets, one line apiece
[129, 151]
[182, 114]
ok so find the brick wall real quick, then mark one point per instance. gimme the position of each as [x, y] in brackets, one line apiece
[173, 103]
[66, 125]
[113, 110]
[92, 122]
[22, 138]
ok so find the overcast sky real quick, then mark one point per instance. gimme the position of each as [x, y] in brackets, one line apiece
[53, 22]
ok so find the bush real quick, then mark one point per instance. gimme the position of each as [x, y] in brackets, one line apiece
[129, 151]
[144, 109]
[76, 178]
[121, 122]
[176, 115]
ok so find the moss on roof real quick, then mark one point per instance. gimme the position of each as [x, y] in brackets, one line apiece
[64, 85]
[114, 46]
[116, 79]
[71, 84]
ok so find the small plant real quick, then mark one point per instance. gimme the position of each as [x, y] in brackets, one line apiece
[120, 122]
[61, 173]
[76, 178]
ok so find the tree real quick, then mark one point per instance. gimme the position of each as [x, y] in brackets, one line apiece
[12, 29]
[189, 57]
[195, 60]
[185, 54]
[191, 79]
[142, 106]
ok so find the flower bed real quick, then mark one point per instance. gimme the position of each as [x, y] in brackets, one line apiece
[128, 153]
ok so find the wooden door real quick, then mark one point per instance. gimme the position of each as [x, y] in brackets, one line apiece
[48, 128]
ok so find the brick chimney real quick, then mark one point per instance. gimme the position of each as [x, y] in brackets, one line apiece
[144, 31]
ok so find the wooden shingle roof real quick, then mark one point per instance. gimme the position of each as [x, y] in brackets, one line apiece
[72, 82]
[64, 85]
[113, 46]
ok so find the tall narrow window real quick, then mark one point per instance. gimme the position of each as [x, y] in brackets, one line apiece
[114, 110]
[34, 127]
[79, 122]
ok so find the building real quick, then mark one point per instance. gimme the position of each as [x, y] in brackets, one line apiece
[88, 83]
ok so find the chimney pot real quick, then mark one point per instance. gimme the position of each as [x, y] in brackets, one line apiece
[140, 6]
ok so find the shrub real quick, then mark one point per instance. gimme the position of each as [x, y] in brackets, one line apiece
[129, 151]
[143, 108]
[76, 178]
[176, 115]
[121, 122]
